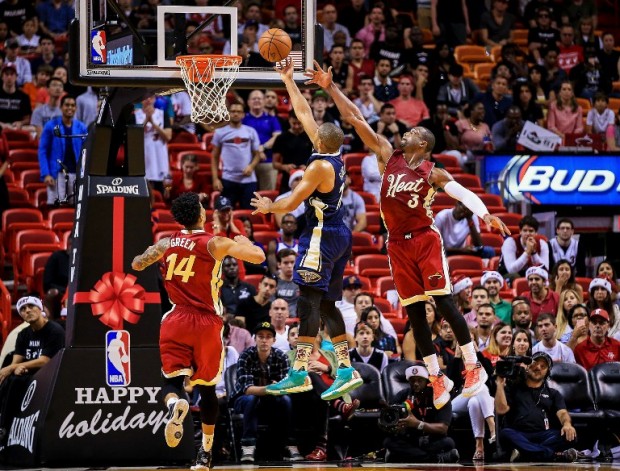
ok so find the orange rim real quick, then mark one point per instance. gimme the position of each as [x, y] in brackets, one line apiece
[200, 67]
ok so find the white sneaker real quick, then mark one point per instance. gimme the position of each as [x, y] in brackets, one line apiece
[293, 454]
[174, 426]
[247, 453]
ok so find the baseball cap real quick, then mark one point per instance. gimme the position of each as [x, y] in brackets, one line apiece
[351, 282]
[9, 66]
[11, 42]
[265, 326]
[319, 94]
[416, 370]
[600, 282]
[602, 313]
[491, 275]
[544, 356]
[223, 203]
[29, 300]
[294, 176]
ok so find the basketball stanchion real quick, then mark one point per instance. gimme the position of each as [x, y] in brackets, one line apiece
[207, 79]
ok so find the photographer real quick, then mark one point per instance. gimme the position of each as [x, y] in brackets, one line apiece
[420, 434]
[536, 425]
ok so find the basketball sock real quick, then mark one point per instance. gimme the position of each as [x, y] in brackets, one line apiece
[304, 349]
[432, 364]
[207, 436]
[341, 347]
[339, 404]
[469, 355]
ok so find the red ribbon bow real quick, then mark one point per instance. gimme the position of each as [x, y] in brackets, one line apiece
[115, 297]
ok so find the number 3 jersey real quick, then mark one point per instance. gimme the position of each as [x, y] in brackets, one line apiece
[406, 196]
[192, 276]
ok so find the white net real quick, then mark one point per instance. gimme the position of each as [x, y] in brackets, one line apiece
[207, 79]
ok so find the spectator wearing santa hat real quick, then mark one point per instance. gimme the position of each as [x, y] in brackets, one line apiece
[541, 298]
[461, 290]
[600, 298]
[494, 282]
[598, 347]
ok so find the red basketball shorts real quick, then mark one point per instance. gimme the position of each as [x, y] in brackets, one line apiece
[419, 266]
[190, 343]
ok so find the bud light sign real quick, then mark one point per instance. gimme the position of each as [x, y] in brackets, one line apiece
[555, 179]
[117, 359]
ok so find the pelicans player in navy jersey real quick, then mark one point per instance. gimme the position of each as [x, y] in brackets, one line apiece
[415, 249]
[324, 249]
[190, 340]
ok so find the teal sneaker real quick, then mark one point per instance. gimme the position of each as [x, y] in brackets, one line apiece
[347, 379]
[294, 382]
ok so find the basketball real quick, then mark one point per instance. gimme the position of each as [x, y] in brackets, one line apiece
[274, 45]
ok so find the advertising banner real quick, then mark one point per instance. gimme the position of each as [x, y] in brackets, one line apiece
[554, 179]
[537, 138]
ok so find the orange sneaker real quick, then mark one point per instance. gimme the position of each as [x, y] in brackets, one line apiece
[442, 385]
[474, 380]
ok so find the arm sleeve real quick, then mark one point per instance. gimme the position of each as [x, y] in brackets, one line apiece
[467, 197]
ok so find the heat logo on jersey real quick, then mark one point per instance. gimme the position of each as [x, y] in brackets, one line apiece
[98, 52]
[117, 358]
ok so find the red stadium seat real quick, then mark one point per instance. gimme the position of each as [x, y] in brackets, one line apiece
[384, 284]
[520, 286]
[368, 198]
[491, 239]
[373, 220]
[357, 181]
[469, 181]
[174, 149]
[203, 157]
[465, 262]
[5, 311]
[254, 280]
[206, 141]
[59, 215]
[365, 243]
[353, 159]
[264, 237]
[19, 198]
[372, 265]
[35, 262]
[383, 305]
[24, 155]
[447, 160]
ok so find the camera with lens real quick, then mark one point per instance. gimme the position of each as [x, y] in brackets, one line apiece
[509, 367]
[389, 417]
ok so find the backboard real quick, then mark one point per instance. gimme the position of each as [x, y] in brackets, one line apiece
[112, 45]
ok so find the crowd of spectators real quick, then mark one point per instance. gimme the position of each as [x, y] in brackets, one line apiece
[399, 79]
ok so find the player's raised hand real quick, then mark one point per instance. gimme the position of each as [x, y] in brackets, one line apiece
[319, 76]
[261, 203]
[497, 223]
[285, 68]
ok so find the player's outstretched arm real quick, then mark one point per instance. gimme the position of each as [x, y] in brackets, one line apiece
[444, 180]
[299, 103]
[351, 113]
[316, 173]
[151, 255]
[240, 247]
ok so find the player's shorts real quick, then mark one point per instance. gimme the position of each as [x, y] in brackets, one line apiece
[419, 266]
[323, 256]
[190, 344]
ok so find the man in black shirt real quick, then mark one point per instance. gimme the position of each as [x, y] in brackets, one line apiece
[35, 345]
[422, 436]
[234, 290]
[291, 150]
[255, 309]
[537, 425]
[15, 109]
[543, 35]
[388, 126]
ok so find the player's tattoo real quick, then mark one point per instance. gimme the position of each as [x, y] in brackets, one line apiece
[150, 255]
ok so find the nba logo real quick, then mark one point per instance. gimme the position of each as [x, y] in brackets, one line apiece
[117, 360]
[98, 53]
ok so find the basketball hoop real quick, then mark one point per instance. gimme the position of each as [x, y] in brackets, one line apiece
[207, 79]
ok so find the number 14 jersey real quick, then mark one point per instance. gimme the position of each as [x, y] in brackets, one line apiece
[192, 276]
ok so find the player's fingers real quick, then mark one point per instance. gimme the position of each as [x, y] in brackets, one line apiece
[329, 70]
[255, 212]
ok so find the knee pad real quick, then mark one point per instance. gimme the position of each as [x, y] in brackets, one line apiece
[309, 311]
[209, 405]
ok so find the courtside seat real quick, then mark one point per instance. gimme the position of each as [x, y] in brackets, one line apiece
[520, 286]
[572, 381]
[605, 380]
[365, 243]
[393, 379]
[264, 237]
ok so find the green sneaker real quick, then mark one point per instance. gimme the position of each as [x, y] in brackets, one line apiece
[347, 379]
[294, 382]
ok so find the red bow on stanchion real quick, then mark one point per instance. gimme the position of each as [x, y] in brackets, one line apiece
[116, 297]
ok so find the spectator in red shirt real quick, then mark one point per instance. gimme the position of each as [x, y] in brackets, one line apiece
[542, 299]
[409, 110]
[597, 348]
[188, 181]
[570, 54]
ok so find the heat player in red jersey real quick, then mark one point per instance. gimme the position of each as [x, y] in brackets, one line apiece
[191, 332]
[415, 249]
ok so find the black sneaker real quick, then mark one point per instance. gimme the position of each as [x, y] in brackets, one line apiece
[567, 456]
[451, 456]
[203, 460]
